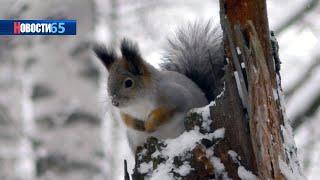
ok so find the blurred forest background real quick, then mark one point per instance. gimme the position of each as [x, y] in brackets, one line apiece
[54, 117]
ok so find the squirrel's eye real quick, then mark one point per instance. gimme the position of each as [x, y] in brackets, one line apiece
[128, 83]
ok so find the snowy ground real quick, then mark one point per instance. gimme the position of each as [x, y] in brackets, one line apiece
[52, 95]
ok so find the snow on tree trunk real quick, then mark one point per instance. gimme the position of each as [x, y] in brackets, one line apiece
[248, 41]
[243, 134]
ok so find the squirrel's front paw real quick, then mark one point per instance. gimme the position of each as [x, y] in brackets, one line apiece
[150, 126]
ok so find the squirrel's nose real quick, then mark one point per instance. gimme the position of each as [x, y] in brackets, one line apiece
[115, 102]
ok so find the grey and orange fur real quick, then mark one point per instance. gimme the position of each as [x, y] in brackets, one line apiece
[154, 102]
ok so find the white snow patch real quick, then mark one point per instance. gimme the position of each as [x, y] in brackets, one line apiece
[238, 82]
[205, 113]
[145, 167]
[275, 94]
[234, 156]
[293, 172]
[288, 173]
[162, 173]
[178, 146]
[218, 166]
[245, 174]
[209, 152]
[290, 169]
[155, 154]
[184, 169]
[243, 65]
[227, 59]
[288, 137]
[222, 92]
[187, 141]
[219, 133]
[238, 51]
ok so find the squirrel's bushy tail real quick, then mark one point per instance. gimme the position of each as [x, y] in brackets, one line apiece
[197, 52]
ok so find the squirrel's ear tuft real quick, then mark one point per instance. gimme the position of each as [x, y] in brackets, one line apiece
[131, 54]
[107, 56]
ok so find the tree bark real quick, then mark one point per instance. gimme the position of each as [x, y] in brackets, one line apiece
[245, 22]
[257, 138]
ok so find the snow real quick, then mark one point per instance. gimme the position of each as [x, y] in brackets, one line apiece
[299, 46]
[243, 65]
[275, 94]
[218, 166]
[287, 172]
[290, 169]
[245, 174]
[155, 154]
[219, 133]
[228, 61]
[188, 140]
[178, 146]
[287, 136]
[161, 173]
[184, 169]
[205, 113]
[222, 92]
[238, 50]
[307, 138]
[238, 82]
[234, 156]
[145, 167]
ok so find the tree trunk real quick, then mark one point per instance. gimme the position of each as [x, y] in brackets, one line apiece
[257, 140]
[245, 26]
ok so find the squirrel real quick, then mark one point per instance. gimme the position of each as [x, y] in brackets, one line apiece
[154, 102]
